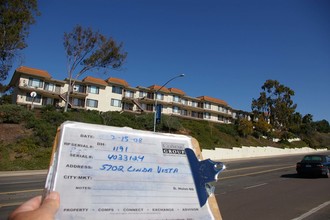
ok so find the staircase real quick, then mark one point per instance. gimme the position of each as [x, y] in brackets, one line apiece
[63, 97]
[136, 102]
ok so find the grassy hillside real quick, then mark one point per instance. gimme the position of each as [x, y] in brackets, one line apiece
[26, 137]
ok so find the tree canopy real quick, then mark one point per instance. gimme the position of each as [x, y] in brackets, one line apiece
[16, 16]
[89, 50]
[275, 104]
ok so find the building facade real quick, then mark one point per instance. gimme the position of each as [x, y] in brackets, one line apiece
[36, 88]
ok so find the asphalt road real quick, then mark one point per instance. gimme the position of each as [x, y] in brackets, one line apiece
[266, 188]
[17, 187]
[270, 189]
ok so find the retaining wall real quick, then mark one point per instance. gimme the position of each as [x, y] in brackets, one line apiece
[252, 152]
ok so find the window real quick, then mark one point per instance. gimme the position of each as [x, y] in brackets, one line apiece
[117, 90]
[194, 104]
[160, 96]
[92, 103]
[78, 102]
[47, 101]
[35, 83]
[176, 98]
[49, 86]
[93, 89]
[58, 88]
[79, 88]
[144, 106]
[129, 94]
[194, 114]
[116, 102]
[128, 106]
[222, 109]
[36, 99]
[150, 107]
[220, 118]
[313, 158]
[175, 109]
[142, 94]
[184, 112]
[207, 115]
[207, 105]
[184, 101]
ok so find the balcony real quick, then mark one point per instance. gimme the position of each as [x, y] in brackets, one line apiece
[39, 90]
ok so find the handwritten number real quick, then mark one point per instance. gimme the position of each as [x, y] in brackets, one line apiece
[137, 140]
[120, 149]
[124, 139]
[141, 158]
[124, 157]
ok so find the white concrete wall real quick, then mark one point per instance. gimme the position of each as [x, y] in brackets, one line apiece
[252, 152]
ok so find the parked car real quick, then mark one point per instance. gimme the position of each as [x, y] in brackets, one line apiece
[316, 165]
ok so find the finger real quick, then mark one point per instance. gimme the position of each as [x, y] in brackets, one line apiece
[29, 205]
[51, 203]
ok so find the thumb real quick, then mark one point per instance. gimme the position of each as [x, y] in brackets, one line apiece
[50, 204]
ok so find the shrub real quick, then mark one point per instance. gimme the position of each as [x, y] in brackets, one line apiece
[227, 129]
[43, 132]
[144, 121]
[256, 134]
[54, 117]
[170, 124]
[118, 119]
[14, 114]
[285, 135]
[86, 116]
[245, 127]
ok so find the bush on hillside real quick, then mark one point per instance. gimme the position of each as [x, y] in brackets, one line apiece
[119, 119]
[54, 118]
[227, 129]
[14, 114]
[43, 132]
[85, 116]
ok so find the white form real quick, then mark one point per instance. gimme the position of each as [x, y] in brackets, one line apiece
[104, 172]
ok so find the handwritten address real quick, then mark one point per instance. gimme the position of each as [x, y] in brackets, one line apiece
[130, 168]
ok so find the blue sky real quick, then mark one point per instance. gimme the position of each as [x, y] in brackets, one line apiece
[227, 49]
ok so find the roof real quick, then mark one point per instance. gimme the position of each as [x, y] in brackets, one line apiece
[93, 80]
[177, 91]
[214, 100]
[33, 71]
[28, 71]
[159, 88]
[117, 81]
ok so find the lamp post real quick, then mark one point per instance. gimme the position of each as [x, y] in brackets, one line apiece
[155, 115]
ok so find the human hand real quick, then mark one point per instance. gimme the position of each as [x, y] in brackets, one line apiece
[33, 209]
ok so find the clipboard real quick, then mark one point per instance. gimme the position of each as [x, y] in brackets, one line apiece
[105, 172]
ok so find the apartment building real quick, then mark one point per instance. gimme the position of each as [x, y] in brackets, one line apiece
[36, 88]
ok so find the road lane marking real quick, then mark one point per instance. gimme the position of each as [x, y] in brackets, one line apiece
[248, 168]
[254, 186]
[22, 191]
[312, 211]
[16, 192]
[21, 182]
[11, 204]
[253, 173]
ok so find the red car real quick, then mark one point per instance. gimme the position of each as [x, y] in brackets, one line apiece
[316, 165]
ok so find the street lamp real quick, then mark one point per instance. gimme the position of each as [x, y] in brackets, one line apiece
[155, 115]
